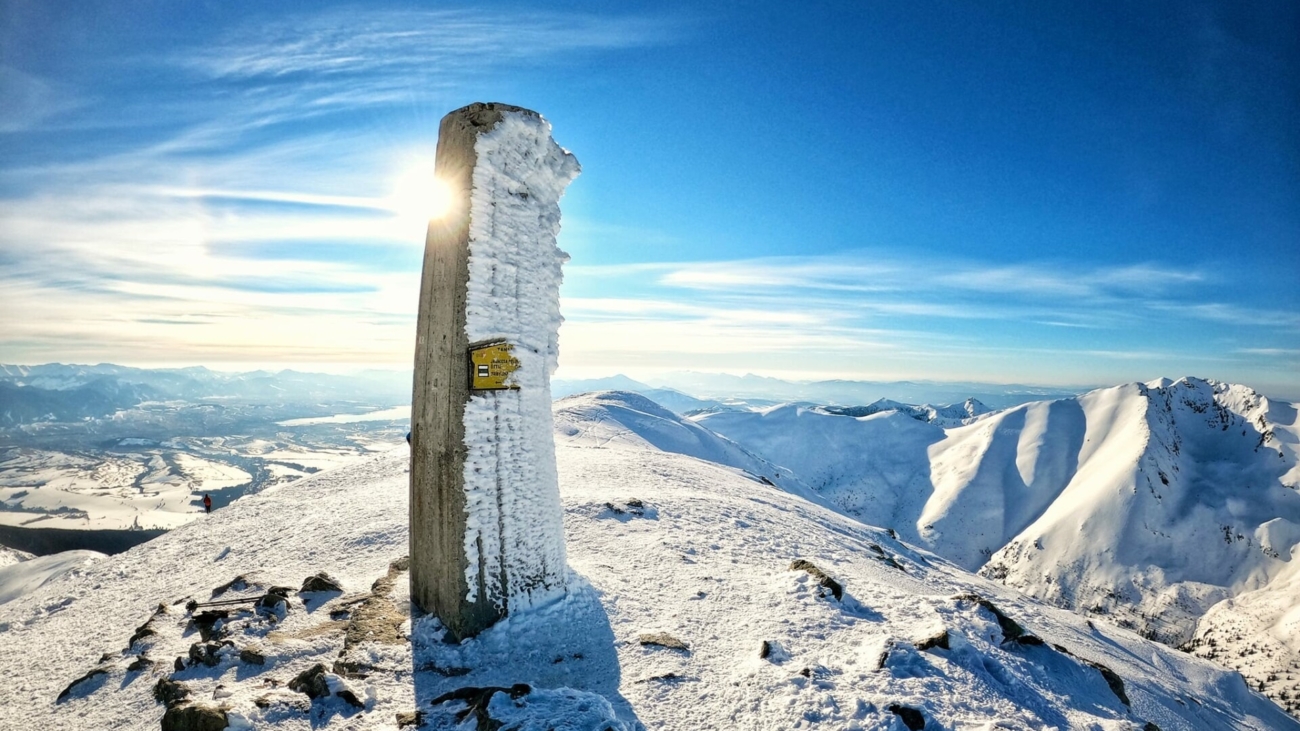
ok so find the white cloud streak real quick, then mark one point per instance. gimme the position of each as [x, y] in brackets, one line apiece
[199, 241]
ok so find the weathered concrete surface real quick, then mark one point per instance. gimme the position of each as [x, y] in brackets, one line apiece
[441, 389]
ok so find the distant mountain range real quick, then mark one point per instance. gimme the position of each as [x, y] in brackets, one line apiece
[688, 391]
[58, 392]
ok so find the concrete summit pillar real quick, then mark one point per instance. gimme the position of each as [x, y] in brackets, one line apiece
[486, 524]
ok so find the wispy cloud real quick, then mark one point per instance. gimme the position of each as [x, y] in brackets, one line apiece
[406, 43]
[30, 100]
[881, 312]
[199, 238]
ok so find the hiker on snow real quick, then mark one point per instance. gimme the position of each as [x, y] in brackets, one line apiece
[207, 503]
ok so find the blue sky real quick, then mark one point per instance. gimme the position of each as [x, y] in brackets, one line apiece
[1050, 193]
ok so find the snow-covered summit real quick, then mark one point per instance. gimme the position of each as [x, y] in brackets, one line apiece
[950, 415]
[701, 598]
[1147, 502]
[607, 417]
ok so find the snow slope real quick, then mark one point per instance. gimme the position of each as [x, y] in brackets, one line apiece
[1184, 492]
[10, 556]
[681, 575]
[626, 418]
[1258, 633]
[27, 576]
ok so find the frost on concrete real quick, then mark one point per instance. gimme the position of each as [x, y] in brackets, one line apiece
[514, 536]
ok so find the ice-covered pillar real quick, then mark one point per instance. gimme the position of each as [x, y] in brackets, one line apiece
[487, 534]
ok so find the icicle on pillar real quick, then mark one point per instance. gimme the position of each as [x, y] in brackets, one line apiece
[486, 524]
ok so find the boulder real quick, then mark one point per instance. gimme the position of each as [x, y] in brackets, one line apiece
[663, 639]
[1011, 630]
[140, 663]
[210, 623]
[275, 601]
[194, 717]
[170, 692]
[940, 640]
[911, 717]
[79, 681]
[207, 653]
[311, 682]
[320, 582]
[410, 718]
[824, 581]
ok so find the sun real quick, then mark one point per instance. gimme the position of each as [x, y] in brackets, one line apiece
[418, 195]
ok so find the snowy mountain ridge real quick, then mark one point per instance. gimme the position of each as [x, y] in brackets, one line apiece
[1149, 503]
[949, 415]
[701, 598]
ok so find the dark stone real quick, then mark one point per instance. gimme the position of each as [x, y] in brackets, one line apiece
[1150, 727]
[940, 640]
[401, 564]
[884, 658]
[141, 632]
[179, 665]
[108, 657]
[140, 663]
[410, 718]
[194, 717]
[271, 601]
[350, 698]
[826, 582]
[911, 717]
[252, 657]
[665, 677]
[476, 702]
[210, 623]
[311, 682]
[351, 669]
[239, 583]
[806, 672]
[1011, 630]
[765, 650]
[1115, 682]
[207, 653]
[73, 685]
[1028, 639]
[320, 582]
[170, 692]
[663, 639]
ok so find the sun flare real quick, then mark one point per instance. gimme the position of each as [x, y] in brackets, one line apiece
[418, 194]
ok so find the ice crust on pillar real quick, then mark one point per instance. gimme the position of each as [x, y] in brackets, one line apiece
[514, 530]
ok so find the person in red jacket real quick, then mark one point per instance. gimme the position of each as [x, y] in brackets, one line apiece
[207, 503]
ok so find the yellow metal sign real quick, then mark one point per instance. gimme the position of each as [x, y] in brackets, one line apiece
[490, 366]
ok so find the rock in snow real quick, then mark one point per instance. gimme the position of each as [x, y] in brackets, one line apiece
[711, 567]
